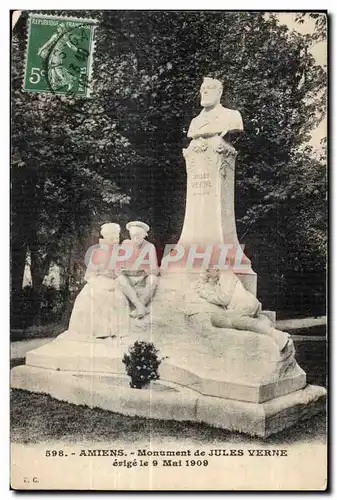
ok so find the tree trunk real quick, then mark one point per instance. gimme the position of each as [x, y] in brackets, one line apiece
[38, 268]
[20, 215]
[67, 287]
[18, 261]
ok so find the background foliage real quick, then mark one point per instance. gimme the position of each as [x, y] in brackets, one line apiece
[117, 156]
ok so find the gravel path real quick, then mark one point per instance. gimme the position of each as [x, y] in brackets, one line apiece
[21, 347]
[288, 324]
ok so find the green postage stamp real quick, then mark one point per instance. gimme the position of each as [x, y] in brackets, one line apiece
[59, 55]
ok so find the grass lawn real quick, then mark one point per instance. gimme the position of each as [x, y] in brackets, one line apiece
[315, 331]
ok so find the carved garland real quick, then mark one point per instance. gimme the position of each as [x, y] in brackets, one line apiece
[226, 152]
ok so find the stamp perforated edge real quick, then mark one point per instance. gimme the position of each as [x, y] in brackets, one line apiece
[86, 20]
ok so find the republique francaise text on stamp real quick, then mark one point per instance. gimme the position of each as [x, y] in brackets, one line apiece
[59, 55]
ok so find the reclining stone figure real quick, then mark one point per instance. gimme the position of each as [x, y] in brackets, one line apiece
[241, 309]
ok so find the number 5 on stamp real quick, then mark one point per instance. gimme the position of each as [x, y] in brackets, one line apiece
[59, 55]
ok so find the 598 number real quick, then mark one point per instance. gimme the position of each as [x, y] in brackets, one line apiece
[54, 453]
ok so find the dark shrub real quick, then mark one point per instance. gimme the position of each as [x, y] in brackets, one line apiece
[142, 363]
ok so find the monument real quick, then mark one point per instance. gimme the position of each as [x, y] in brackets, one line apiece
[210, 164]
[224, 362]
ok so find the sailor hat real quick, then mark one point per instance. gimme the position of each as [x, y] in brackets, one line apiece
[142, 225]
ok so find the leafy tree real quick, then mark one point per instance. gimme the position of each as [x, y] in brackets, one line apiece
[58, 192]
[321, 24]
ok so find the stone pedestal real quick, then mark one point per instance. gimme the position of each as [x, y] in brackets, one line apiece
[209, 215]
[168, 401]
[212, 366]
[209, 235]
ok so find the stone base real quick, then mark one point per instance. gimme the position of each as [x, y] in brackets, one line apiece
[271, 315]
[168, 401]
[249, 281]
[193, 366]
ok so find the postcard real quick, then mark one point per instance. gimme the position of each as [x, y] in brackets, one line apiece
[169, 250]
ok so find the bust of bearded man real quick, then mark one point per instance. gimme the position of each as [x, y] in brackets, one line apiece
[214, 119]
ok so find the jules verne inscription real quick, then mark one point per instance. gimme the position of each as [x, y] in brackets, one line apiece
[201, 184]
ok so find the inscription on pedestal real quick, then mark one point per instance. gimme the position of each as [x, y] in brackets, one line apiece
[200, 184]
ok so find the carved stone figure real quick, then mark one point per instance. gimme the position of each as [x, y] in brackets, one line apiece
[101, 309]
[138, 276]
[241, 309]
[214, 119]
[210, 165]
